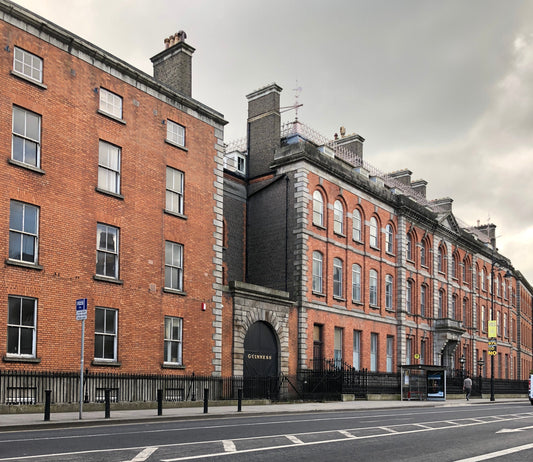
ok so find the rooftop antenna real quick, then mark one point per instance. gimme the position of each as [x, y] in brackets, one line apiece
[296, 104]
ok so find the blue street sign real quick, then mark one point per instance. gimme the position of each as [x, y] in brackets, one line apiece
[81, 309]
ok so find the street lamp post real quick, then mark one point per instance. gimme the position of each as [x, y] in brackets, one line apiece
[492, 353]
[462, 360]
[480, 363]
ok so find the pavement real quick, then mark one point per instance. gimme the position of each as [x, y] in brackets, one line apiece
[35, 421]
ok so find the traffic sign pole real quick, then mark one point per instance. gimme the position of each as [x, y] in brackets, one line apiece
[81, 315]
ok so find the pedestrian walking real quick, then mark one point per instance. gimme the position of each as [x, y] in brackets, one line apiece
[467, 387]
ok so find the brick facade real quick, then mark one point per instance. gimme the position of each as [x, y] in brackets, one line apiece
[65, 189]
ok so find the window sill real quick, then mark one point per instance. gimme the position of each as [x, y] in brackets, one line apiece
[175, 214]
[111, 116]
[108, 193]
[20, 76]
[339, 234]
[374, 247]
[98, 277]
[172, 366]
[392, 254]
[375, 307]
[339, 299]
[322, 227]
[176, 145]
[318, 294]
[357, 303]
[104, 362]
[30, 167]
[20, 359]
[358, 241]
[23, 264]
[173, 291]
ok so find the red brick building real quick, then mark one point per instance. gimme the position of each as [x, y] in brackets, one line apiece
[378, 275]
[111, 191]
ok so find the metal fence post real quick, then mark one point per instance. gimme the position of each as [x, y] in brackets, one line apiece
[206, 395]
[239, 400]
[47, 398]
[159, 402]
[107, 393]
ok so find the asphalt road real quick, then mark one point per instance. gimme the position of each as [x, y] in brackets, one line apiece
[501, 432]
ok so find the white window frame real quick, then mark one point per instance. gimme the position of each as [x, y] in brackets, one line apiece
[318, 268]
[23, 137]
[423, 253]
[356, 283]
[23, 233]
[105, 251]
[356, 360]
[173, 266]
[318, 209]
[28, 65]
[109, 159]
[390, 352]
[175, 133]
[374, 233]
[106, 333]
[175, 186]
[356, 226]
[337, 277]
[173, 345]
[409, 247]
[373, 287]
[388, 291]
[408, 350]
[373, 352]
[15, 327]
[338, 217]
[110, 103]
[389, 238]
[423, 299]
[441, 297]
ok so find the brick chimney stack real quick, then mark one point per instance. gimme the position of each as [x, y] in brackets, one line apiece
[173, 66]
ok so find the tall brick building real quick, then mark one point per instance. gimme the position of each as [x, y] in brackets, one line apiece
[370, 272]
[111, 191]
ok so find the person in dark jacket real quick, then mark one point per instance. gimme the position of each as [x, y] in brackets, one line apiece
[467, 387]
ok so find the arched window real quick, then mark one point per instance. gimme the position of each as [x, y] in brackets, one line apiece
[356, 233]
[423, 253]
[388, 291]
[454, 306]
[442, 299]
[338, 217]
[389, 238]
[356, 283]
[317, 272]
[373, 284]
[337, 277]
[483, 279]
[465, 272]
[409, 249]
[318, 209]
[374, 233]
[409, 296]
[465, 318]
[441, 259]
[455, 266]
[423, 299]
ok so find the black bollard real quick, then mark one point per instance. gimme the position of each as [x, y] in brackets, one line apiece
[159, 402]
[239, 400]
[206, 393]
[107, 403]
[47, 398]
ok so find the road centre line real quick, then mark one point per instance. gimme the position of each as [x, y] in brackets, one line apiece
[492, 455]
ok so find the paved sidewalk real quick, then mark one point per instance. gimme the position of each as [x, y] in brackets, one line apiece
[10, 422]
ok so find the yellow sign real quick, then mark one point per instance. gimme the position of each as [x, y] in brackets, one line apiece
[493, 332]
[493, 353]
[417, 356]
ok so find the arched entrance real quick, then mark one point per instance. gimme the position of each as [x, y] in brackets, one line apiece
[260, 365]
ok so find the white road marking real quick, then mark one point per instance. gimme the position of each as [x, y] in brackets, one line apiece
[492, 455]
[143, 455]
[512, 430]
[229, 446]
[294, 439]
[347, 434]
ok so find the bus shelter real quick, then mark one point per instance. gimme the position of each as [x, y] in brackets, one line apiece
[422, 382]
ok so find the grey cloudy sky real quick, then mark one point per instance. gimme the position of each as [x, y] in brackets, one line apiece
[441, 88]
